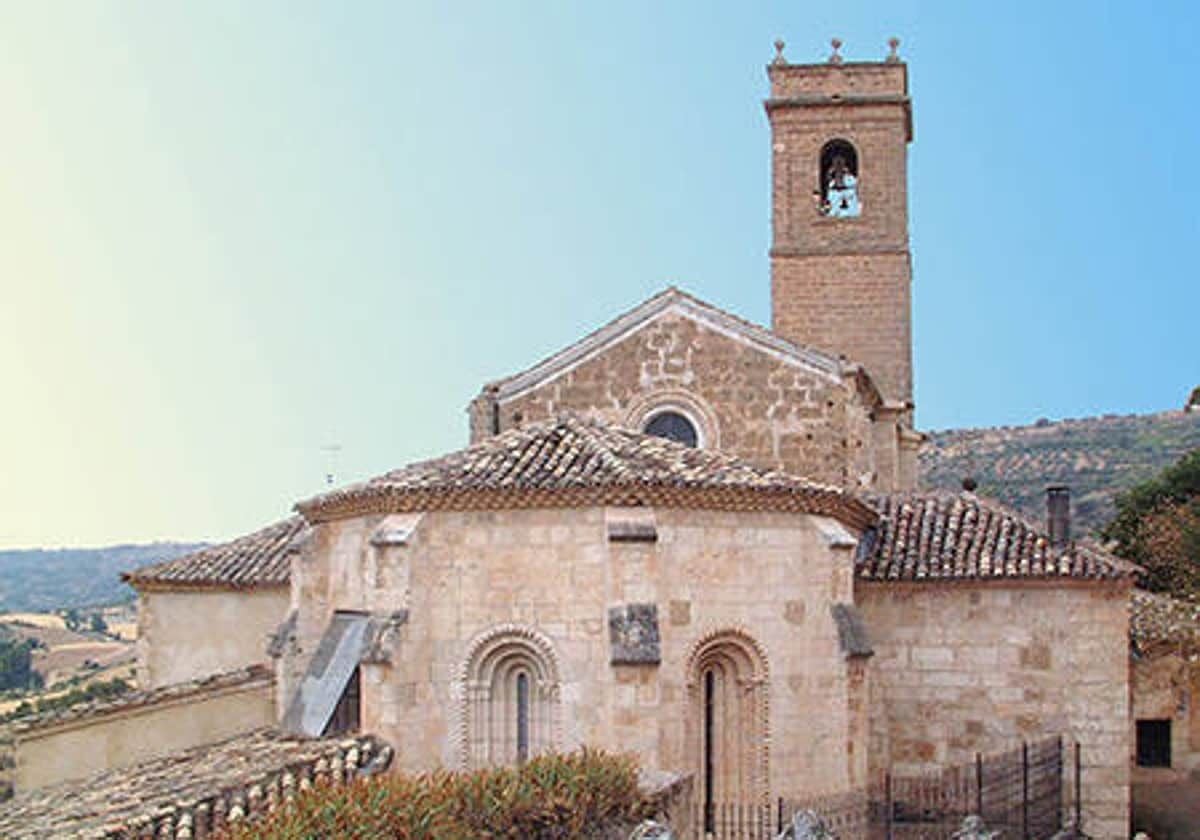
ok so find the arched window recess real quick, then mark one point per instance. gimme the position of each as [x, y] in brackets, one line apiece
[673, 425]
[837, 184]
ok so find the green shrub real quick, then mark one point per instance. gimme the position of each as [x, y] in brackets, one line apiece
[552, 797]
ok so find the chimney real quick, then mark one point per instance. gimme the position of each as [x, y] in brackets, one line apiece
[1058, 515]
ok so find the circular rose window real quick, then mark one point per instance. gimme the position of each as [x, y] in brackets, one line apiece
[673, 426]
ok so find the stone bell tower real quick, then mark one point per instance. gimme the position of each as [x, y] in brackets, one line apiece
[841, 270]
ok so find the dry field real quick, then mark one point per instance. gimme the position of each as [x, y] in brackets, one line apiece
[125, 630]
[64, 661]
[67, 654]
[46, 620]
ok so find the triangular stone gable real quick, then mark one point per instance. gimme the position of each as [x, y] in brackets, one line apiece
[670, 302]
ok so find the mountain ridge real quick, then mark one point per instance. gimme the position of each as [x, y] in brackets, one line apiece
[1097, 457]
[46, 579]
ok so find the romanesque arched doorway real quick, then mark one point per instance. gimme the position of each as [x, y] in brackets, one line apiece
[727, 721]
[510, 693]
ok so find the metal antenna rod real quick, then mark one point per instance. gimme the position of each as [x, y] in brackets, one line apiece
[331, 450]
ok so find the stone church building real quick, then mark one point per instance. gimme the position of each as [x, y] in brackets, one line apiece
[691, 537]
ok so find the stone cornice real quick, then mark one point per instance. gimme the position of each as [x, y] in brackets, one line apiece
[779, 251]
[842, 507]
[205, 586]
[141, 702]
[807, 100]
[1003, 581]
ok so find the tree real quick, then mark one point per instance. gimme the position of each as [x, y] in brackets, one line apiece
[71, 619]
[16, 665]
[1158, 527]
[98, 624]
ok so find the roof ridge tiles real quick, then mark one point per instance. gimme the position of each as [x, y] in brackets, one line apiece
[550, 463]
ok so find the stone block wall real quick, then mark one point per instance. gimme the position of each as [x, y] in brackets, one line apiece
[980, 667]
[746, 402]
[186, 634]
[554, 574]
[857, 304]
[1168, 688]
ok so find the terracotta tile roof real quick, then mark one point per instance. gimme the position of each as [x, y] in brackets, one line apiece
[944, 537]
[191, 793]
[137, 699]
[571, 462]
[255, 560]
[1162, 625]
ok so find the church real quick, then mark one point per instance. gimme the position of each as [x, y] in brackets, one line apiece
[692, 537]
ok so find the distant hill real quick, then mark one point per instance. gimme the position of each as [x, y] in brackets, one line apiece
[1096, 457]
[41, 580]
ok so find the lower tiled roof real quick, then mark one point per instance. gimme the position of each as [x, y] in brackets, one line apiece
[255, 560]
[918, 536]
[958, 537]
[196, 791]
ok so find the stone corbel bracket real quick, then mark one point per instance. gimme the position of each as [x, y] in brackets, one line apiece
[381, 634]
[283, 641]
[396, 530]
[631, 525]
[852, 631]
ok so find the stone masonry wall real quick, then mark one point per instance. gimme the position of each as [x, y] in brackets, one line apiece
[747, 402]
[187, 634]
[843, 284]
[856, 304]
[1168, 688]
[966, 668]
[555, 573]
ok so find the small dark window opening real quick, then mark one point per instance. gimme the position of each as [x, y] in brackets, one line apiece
[346, 715]
[1154, 743]
[522, 718]
[710, 745]
[673, 426]
[837, 187]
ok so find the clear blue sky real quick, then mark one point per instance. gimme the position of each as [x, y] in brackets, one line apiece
[233, 233]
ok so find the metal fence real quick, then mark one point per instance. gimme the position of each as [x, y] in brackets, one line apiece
[1019, 792]
[735, 821]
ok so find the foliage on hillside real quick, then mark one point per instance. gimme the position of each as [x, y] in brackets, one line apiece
[16, 663]
[1158, 526]
[99, 690]
[1097, 457]
[43, 580]
[553, 796]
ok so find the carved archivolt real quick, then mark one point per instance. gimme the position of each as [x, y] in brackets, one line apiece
[509, 690]
[703, 418]
[728, 685]
[729, 640]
